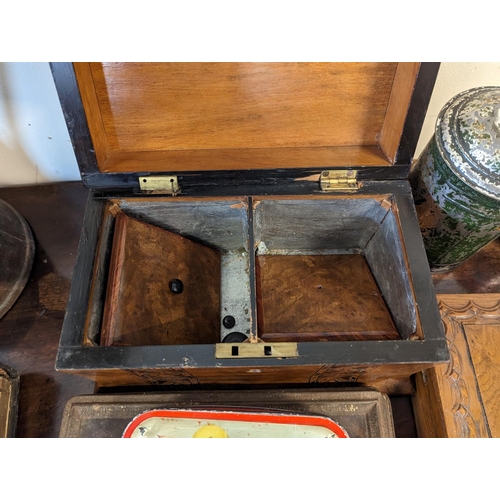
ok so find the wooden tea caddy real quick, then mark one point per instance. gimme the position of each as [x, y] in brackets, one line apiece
[293, 178]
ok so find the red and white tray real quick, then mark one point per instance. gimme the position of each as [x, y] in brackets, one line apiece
[180, 423]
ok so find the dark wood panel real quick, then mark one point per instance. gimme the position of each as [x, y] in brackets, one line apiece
[74, 114]
[320, 297]
[99, 279]
[17, 250]
[30, 331]
[479, 274]
[421, 97]
[244, 182]
[387, 378]
[140, 307]
[404, 421]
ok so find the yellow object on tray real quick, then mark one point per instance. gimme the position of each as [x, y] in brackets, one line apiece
[231, 423]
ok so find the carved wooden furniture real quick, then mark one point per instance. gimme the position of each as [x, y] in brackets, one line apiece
[462, 399]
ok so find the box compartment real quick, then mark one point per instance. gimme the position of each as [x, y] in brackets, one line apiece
[158, 316]
[332, 269]
[317, 271]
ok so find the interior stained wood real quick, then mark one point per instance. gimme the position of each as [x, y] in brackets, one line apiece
[320, 297]
[220, 116]
[325, 231]
[140, 309]
[242, 159]
[238, 105]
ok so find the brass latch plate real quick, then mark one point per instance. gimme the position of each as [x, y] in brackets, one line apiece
[258, 350]
[161, 184]
[338, 180]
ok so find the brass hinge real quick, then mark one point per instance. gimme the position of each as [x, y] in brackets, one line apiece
[160, 184]
[338, 180]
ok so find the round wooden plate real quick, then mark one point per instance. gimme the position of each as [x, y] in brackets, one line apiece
[17, 250]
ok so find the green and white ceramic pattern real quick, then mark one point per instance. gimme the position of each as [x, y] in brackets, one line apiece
[456, 181]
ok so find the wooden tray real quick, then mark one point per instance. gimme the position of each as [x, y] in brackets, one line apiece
[362, 413]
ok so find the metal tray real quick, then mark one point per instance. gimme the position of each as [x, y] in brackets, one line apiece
[9, 392]
[362, 413]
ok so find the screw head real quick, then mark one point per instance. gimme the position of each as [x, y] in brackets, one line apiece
[176, 286]
[228, 322]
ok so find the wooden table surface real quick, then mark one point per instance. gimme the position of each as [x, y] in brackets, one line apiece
[29, 332]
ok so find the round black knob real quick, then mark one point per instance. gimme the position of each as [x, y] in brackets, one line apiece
[228, 322]
[176, 286]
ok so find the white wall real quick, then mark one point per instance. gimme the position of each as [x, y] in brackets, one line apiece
[34, 143]
[452, 79]
[35, 147]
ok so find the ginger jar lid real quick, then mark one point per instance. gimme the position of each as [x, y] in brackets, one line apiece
[468, 138]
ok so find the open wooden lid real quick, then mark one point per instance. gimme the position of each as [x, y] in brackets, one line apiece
[184, 117]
